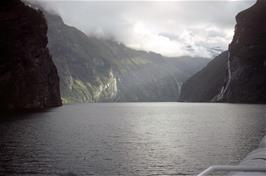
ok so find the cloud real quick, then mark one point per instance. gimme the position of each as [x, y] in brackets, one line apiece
[172, 28]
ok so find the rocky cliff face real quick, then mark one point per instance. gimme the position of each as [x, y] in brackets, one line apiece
[244, 70]
[246, 78]
[205, 85]
[28, 77]
[85, 74]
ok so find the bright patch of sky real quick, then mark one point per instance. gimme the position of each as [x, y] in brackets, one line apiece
[171, 28]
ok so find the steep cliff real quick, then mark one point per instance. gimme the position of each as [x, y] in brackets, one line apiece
[85, 75]
[207, 83]
[246, 78]
[28, 77]
[97, 70]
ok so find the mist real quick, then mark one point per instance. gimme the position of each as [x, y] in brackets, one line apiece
[175, 28]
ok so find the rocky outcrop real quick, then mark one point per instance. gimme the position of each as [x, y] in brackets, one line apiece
[246, 78]
[28, 77]
[207, 83]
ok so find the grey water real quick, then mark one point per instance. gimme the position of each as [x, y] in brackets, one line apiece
[110, 139]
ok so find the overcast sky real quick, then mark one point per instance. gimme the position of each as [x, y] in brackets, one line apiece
[173, 28]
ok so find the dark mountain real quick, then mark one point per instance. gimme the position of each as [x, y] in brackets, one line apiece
[207, 83]
[28, 77]
[95, 70]
[246, 79]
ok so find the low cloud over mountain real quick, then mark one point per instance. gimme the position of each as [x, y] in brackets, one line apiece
[170, 28]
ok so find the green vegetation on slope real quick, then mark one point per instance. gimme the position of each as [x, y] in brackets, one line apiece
[96, 70]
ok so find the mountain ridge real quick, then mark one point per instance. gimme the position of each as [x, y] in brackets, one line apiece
[101, 70]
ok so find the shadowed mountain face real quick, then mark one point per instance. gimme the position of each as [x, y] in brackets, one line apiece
[97, 70]
[207, 83]
[246, 79]
[245, 75]
[28, 77]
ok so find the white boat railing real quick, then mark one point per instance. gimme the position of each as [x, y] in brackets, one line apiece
[224, 168]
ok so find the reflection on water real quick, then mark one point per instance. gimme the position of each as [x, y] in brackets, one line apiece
[129, 139]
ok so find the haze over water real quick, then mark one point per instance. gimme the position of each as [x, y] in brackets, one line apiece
[130, 139]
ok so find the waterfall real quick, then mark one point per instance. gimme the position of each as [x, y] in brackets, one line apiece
[229, 73]
[226, 86]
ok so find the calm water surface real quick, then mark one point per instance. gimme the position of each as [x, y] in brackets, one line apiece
[129, 139]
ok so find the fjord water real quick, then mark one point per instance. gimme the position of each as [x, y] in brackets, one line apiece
[129, 139]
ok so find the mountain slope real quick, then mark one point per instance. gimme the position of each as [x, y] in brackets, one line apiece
[207, 83]
[245, 75]
[28, 76]
[85, 76]
[246, 79]
[96, 70]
